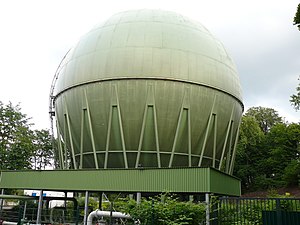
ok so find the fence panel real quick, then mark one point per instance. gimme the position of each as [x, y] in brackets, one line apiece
[48, 216]
[257, 211]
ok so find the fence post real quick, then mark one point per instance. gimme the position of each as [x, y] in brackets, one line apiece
[215, 211]
[20, 214]
[278, 212]
[77, 212]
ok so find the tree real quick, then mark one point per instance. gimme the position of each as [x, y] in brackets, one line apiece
[267, 160]
[16, 138]
[20, 147]
[249, 152]
[291, 175]
[283, 142]
[297, 17]
[266, 117]
[43, 150]
[295, 98]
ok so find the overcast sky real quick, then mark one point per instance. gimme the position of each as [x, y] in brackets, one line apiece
[259, 35]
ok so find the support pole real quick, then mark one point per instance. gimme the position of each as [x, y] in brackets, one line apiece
[100, 200]
[207, 208]
[65, 199]
[86, 207]
[65, 206]
[24, 211]
[40, 207]
[138, 197]
[1, 202]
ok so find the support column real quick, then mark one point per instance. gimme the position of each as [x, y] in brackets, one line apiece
[40, 207]
[138, 197]
[100, 200]
[1, 202]
[65, 206]
[207, 203]
[86, 208]
[24, 210]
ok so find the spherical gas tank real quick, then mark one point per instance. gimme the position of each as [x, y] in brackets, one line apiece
[147, 88]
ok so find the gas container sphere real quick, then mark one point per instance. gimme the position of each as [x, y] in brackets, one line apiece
[147, 88]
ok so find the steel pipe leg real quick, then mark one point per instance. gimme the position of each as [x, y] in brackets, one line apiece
[1, 202]
[86, 208]
[207, 203]
[40, 207]
[138, 197]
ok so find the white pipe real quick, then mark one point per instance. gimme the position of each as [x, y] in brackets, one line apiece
[98, 213]
[9, 223]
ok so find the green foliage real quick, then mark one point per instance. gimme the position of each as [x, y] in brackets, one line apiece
[165, 210]
[241, 213]
[291, 174]
[43, 150]
[20, 147]
[268, 153]
[16, 138]
[283, 146]
[266, 117]
[297, 17]
[295, 98]
[93, 203]
[247, 157]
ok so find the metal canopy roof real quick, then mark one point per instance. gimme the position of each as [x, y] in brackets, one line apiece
[188, 180]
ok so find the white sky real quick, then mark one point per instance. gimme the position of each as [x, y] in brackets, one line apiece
[259, 35]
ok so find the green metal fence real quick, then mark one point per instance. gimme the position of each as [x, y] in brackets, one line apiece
[56, 215]
[256, 211]
[224, 211]
[53, 216]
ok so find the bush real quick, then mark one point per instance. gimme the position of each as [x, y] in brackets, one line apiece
[165, 209]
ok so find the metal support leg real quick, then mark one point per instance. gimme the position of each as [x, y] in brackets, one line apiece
[24, 211]
[207, 208]
[100, 200]
[40, 207]
[86, 207]
[138, 197]
[65, 206]
[1, 203]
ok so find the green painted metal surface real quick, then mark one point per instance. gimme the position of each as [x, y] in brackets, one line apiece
[150, 88]
[218, 181]
[189, 180]
[280, 217]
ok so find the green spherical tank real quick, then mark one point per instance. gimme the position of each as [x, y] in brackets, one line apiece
[147, 88]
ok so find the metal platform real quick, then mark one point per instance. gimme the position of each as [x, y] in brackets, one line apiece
[177, 180]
